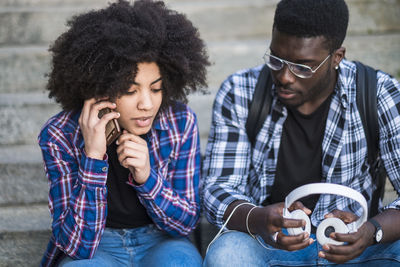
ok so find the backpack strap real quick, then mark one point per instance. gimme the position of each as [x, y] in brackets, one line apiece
[260, 105]
[367, 105]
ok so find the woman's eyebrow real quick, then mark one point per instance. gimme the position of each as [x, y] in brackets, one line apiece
[159, 79]
[153, 82]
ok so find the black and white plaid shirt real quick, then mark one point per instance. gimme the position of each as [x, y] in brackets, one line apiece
[234, 170]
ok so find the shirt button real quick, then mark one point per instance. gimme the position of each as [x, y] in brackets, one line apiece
[101, 205]
[104, 169]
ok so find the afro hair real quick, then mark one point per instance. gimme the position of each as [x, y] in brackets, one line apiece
[98, 55]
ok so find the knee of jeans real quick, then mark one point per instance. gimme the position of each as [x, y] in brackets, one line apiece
[231, 247]
[173, 253]
[184, 253]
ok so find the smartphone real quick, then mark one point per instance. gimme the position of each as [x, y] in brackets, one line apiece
[113, 131]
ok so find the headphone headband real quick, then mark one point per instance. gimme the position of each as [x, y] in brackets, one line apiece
[327, 188]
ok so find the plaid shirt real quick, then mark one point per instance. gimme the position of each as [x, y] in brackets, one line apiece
[234, 170]
[78, 192]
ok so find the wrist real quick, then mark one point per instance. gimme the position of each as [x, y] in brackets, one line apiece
[248, 228]
[255, 219]
[94, 155]
[377, 231]
[139, 180]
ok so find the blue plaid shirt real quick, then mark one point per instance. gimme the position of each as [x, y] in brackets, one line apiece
[78, 191]
[234, 170]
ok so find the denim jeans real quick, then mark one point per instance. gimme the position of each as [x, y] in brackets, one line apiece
[144, 246]
[239, 249]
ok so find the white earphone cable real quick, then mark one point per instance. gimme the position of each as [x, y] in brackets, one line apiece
[226, 222]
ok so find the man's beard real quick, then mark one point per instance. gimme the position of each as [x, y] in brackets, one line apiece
[312, 94]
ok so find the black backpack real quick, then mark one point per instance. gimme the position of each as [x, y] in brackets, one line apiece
[366, 103]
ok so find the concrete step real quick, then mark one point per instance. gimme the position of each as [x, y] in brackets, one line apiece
[379, 51]
[24, 68]
[25, 23]
[22, 115]
[42, 24]
[22, 177]
[370, 16]
[53, 3]
[24, 234]
[48, 3]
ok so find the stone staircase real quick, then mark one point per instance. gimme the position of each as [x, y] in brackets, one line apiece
[237, 33]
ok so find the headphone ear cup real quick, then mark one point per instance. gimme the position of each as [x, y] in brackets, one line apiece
[328, 226]
[299, 215]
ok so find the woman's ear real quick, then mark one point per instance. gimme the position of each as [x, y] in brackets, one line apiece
[338, 55]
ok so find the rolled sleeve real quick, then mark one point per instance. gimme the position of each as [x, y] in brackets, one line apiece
[93, 172]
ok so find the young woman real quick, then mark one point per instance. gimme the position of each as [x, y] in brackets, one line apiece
[134, 201]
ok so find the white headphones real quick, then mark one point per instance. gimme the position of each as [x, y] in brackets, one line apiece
[328, 225]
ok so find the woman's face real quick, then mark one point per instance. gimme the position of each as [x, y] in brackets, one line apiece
[140, 105]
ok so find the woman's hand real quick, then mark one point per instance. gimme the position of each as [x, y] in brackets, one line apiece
[93, 128]
[133, 154]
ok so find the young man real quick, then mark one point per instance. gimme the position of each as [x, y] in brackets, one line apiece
[313, 133]
[134, 201]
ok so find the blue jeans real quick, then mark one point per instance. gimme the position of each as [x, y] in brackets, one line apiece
[239, 249]
[144, 246]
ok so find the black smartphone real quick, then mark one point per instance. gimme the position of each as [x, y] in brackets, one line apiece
[113, 131]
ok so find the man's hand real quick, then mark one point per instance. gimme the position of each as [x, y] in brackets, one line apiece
[133, 154]
[269, 220]
[93, 129]
[356, 242]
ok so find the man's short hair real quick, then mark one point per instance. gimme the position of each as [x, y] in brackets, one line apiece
[312, 18]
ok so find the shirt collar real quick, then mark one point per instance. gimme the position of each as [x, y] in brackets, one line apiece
[161, 120]
[346, 83]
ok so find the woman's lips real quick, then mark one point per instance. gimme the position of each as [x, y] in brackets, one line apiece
[143, 121]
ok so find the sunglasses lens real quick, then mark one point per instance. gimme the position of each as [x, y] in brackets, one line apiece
[301, 71]
[273, 63]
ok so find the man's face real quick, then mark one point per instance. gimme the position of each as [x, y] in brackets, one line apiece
[304, 94]
[139, 107]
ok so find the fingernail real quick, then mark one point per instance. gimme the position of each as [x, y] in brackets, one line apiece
[114, 104]
[117, 142]
[118, 114]
[325, 247]
[321, 254]
[311, 241]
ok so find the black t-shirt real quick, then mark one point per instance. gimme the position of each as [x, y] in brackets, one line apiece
[123, 205]
[300, 154]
